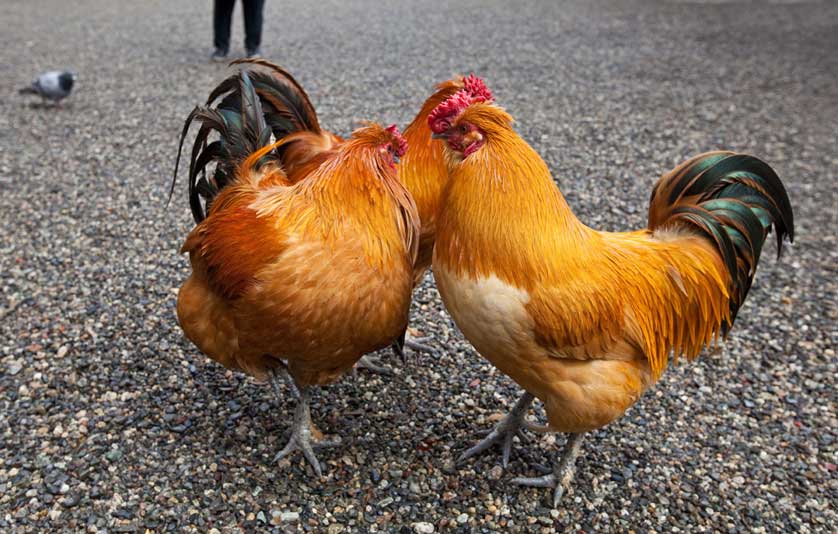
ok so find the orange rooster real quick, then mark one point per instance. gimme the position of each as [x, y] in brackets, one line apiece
[295, 279]
[290, 115]
[586, 320]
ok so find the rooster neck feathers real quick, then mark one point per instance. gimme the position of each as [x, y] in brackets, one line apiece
[356, 188]
[504, 195]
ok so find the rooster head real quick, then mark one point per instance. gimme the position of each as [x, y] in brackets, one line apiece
[443, 116]
[387, 143]
[462, 136]
[396, 144]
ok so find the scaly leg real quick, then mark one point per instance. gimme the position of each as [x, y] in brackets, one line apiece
[504, 432]
[412, 343]
[562, 475]
[304, 436]
[274, 375]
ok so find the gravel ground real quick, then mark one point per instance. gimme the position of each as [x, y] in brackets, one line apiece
[111, 421]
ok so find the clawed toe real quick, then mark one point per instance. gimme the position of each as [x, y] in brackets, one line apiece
[302, 441]
[373, 363]
[418, 344]
[504, 433]
[561, 475]
[546, 481]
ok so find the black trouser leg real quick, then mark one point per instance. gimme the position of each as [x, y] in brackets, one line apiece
[222, 17]
[253, 10]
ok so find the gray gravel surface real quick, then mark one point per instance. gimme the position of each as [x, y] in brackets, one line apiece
[111, 421]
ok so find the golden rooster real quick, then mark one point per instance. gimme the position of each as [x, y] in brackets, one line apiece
[586, 320]
[294, 279]
[290, 115]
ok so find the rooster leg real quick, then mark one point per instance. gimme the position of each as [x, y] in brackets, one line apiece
[504, 432]
[304, 436]
[286, 377]
[373, 363]
[562, 475]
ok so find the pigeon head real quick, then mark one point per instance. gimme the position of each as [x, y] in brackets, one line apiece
[66, 80]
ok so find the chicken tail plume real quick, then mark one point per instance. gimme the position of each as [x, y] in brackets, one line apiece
[733, 200]
[254, 104]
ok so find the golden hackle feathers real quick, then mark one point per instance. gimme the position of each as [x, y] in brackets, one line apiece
[349, 189]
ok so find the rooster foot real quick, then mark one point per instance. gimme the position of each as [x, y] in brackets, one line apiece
[373, 363]
[413, 343]
[563, 473]
[418, 344]
[305, 436]
[503, 434]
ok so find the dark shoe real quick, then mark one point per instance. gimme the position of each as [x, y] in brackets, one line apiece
[256, 53]
[218, 56]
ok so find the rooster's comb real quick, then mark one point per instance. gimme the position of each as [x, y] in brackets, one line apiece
[476, 87]
[474, 90]
[397, 137]
[444, 114]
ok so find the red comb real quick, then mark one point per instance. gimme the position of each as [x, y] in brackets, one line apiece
[475, 87]
[402, 150]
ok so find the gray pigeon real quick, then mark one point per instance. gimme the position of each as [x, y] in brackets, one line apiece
[54, 85]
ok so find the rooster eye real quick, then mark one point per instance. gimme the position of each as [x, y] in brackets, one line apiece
[463, 129]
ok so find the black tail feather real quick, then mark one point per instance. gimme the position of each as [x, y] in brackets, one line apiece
[242, 129]
[733, 199]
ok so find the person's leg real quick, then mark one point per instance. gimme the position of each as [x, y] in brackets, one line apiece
[253, 10]
[222, 18]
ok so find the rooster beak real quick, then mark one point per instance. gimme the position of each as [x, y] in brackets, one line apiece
[438, 136]
[396, 158]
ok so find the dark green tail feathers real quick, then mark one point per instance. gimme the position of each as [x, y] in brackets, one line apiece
[254, 106]
[732, 199]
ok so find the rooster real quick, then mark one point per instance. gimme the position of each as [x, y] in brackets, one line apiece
[293, 280]
[586, 320]
[291, 116]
